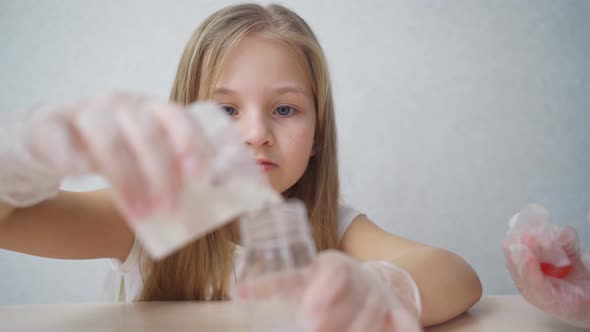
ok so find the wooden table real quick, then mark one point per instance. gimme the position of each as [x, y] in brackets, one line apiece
[492, 313]
[504, 313]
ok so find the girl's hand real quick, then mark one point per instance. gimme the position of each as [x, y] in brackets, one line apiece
[143, 147]
[548, 267]
[336, 293]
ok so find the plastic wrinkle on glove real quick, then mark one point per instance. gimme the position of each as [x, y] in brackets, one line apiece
[534, 219]
[401, 282]
[556, 266]
[230, 184]
[24, 181]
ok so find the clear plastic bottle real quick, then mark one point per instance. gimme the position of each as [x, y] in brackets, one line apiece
[278, 247]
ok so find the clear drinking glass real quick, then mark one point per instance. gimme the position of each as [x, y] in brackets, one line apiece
[278, 246]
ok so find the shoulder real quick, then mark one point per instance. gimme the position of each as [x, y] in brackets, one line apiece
[346, 215]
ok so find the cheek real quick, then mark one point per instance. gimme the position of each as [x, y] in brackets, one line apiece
[299, 150]
[301, 139]
[296, 150]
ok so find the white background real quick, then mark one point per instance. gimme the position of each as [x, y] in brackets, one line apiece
[451, 114]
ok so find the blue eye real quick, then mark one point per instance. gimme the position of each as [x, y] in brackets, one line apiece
[284, 110]
[230, 110]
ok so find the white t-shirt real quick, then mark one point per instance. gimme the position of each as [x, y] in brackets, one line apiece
[127, 283]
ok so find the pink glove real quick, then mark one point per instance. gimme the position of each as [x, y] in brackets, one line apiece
[336, 293]
[548, 267]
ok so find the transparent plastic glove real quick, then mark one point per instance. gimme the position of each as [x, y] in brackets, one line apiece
[401, 282]
[24, 180]
[138, 144]
[336, 293]
[548, 267]
[174, 173]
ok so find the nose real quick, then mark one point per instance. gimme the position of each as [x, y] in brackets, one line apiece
[256, 129]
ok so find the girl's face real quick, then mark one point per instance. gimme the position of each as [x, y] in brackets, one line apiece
[265, 87]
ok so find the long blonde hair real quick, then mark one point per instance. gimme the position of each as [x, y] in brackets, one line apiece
[201, 270]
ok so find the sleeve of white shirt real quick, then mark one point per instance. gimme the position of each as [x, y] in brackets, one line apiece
[126, 277]
[346, 215]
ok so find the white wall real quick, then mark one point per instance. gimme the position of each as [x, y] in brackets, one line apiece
[451, 115]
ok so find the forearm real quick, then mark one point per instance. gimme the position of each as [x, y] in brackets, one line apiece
[5, 211]
[448, 285]
[71, 226]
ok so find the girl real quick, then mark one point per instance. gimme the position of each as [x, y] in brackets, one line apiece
[264, 66]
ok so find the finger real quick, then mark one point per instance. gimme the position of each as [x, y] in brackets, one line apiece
[531, 219]
[585, 259]
[154, 155]
[330, 302]
[186, 137]
[525, 262]
[113, 158]
[531, 242]
[327, 287]
[534, 214]
[528, 276]
[508, 259]
[52, 142]
[401, 320]
[336, 317]
[567, 238]
[372, 316]
[546, 242]
[513, 221]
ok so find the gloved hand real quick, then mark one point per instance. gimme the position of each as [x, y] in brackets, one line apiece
[24, 180]
[336, 293]
[548, 267]
[141, 146]
[176, 173]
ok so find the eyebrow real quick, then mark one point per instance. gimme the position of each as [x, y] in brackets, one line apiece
[280, 89]
[223, 91]
[288, 88]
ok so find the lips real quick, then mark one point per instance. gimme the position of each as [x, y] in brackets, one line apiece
[266, 165]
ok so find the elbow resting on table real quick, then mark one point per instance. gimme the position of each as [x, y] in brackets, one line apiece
[455, 289]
